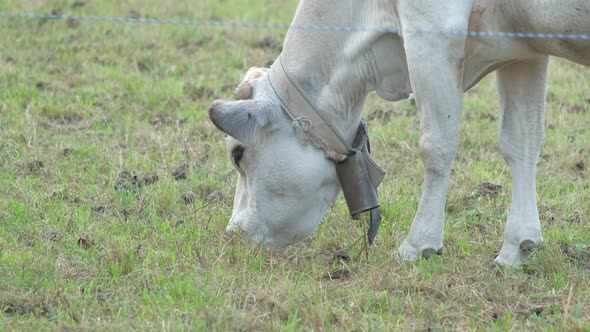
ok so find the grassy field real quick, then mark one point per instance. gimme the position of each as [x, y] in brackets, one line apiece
[115, 190]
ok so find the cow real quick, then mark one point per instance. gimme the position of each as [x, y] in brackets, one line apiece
[285, 186]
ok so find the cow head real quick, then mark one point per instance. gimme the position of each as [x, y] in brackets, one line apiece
[284, 186]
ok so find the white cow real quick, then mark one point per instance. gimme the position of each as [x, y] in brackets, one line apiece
[285, 187]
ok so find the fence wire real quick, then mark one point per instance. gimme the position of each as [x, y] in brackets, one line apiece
[285, 26]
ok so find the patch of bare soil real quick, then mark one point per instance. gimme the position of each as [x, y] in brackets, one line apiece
[580, 169]
[488, 189]
[150, 178]
[576, 218]
[177, 223]
[65, 196]
[78, 4]
[340, 260]
[55, 11]
[229, 87]
[190, 47]
[34, 167]
[485, 189]
[101, 209]
[49, 119]
[214, 196]
[383, 115]
[41, 85]
[547, 214]
[68, 152]
[272, 42]
[84, 244]
[73, 23]
[133, 14]
[201, 93]
[529, 311]
[6, 59]
[197, 93]
[11, 308]
[478, 229]
[160, 120]
[128, 180]
[577, 256]
[142, 67]
[180, 172]
[52, 235]
[189, 197]
[338, 274]
[340, 257]
[207, 193]
[488, 116]
[577, 108]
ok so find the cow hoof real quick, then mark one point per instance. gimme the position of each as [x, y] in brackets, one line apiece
[407, 252]
[528, 246]
[427, 253]
[512, 256]
[411, 253]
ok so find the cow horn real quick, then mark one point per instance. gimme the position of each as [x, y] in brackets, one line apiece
[243, 91]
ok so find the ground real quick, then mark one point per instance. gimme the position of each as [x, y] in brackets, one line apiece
[115, 190]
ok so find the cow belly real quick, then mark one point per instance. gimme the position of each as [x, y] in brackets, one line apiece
[472, 75]
[571, 17]
[486, 54]
[483, 55]
[577, 51]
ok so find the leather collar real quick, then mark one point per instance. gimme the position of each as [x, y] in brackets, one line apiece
[305, 116]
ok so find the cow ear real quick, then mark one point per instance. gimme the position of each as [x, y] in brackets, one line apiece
[242, 119]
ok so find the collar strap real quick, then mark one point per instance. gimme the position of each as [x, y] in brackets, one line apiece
[305, 116]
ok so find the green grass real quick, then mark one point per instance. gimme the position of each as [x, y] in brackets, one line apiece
[87, 107]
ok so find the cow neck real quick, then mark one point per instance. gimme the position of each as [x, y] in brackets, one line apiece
[306, 117]
[358, 174]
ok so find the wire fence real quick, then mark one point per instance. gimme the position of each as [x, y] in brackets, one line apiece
[285, 26]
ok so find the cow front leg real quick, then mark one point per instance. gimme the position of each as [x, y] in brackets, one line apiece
[522, 88]
[435, 64]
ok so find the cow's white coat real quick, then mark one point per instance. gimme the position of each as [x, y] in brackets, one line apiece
[285, 187]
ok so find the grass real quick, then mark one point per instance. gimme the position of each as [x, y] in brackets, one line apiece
[115, 190]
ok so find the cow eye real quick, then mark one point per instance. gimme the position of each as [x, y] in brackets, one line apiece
[236, 154]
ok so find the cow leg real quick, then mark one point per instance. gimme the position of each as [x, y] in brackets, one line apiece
[435, 64]
[522, 88]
